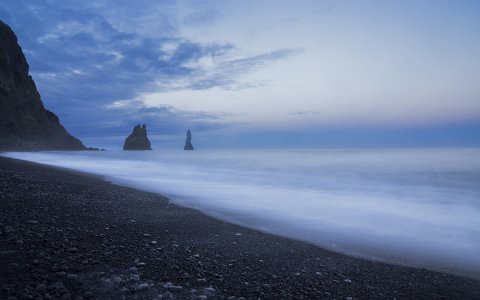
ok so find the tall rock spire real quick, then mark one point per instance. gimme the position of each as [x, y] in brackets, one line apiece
[138, 139]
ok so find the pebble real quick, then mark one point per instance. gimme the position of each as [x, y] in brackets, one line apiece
[88, 294]
[142, 287]
[60, 274]
[7, 253]
[59, 286]
[72, 250]
[134, 277]
[116, 279]
[209, 290]
[175, 288]
[40, 287]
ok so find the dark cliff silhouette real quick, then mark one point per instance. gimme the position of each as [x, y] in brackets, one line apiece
[25, 124]
[188, 142]
[138, 139]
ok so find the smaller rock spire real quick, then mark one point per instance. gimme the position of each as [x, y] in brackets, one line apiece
[188, 142]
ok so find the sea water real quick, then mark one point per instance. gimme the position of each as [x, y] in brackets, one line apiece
[415, 207]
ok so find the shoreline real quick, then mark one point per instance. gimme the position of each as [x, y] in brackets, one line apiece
[70, 234]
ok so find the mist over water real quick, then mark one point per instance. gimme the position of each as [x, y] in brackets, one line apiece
[413, 207]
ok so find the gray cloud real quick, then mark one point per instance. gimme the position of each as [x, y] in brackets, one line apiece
[84, 56]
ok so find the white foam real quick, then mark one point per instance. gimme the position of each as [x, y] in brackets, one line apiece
[413, 207]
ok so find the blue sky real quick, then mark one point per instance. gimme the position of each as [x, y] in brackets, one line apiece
[257, 73]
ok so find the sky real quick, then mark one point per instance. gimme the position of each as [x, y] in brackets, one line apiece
[308, 73]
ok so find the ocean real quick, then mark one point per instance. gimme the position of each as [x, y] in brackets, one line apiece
[413, 207]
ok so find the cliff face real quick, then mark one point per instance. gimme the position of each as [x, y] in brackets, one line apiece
[138, 139]
[25, 124]
[188, 142]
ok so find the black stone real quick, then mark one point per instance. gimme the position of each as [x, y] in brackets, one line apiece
[188, 142]
[25, 124]
[138, 139]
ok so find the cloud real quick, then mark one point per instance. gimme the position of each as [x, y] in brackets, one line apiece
[227, 73]
[106, 65]
[85, 57]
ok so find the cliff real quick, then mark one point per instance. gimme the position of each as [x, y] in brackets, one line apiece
[25, 124]
[138, 139]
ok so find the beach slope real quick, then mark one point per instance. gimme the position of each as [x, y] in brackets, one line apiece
[67, 235]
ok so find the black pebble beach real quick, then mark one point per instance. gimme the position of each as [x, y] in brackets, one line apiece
[67, 235]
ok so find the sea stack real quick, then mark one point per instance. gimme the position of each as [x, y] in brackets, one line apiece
[188, 142]
[138, 139]
[25, 124]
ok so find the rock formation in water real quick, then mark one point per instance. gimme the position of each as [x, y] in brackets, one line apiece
[25, 124]
[138, 139]
[188, 142]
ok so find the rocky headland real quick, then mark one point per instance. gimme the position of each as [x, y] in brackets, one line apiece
[25, 124]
